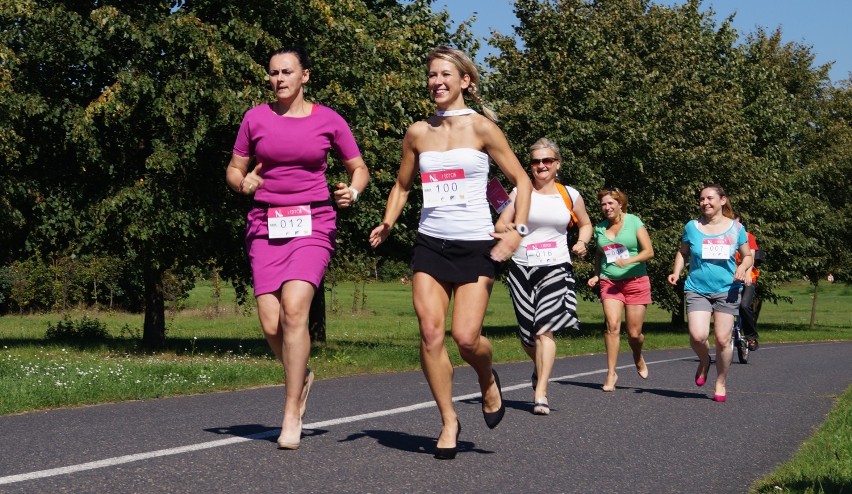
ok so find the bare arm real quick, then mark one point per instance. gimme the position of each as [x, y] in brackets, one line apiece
[743, 271]
[584, 236]
[497, 147]
[399, 193]
[239, 178]
[505, 221]
[679, 263]
[646, 249]
[359, 176]
[597, 266]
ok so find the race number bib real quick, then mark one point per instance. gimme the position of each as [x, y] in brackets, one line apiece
[615, 251]
[715, 248]
[497, 196]
[541, 254]
[444, 188]
[289, 221]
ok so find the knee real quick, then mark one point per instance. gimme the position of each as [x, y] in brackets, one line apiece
[295, 317]
[432, 336]
[467, 344]
[636, 336]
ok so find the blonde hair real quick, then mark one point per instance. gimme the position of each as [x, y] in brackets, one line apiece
[545, 143]
[465, 66]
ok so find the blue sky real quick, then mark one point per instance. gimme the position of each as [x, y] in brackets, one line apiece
[822, 24]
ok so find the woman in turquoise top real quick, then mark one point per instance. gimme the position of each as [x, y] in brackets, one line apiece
[623, 247]
[713, 285]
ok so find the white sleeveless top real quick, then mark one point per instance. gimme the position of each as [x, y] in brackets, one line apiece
[471, 221]
[548, 222]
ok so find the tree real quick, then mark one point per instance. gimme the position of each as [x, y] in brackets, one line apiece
[660, 100]
[638, 96]
[143, 106]
[802, 141]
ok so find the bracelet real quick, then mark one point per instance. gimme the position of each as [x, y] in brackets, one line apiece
[241, 185]
[354, 192]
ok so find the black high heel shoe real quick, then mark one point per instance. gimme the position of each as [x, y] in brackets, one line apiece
[492, 419]
[449, 453]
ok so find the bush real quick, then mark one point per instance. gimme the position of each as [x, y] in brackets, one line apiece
[83, 330]
[392, 270]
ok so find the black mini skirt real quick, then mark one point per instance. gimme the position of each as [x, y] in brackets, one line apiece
[454, 261]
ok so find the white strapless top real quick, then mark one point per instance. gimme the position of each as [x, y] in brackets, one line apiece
[471, 221]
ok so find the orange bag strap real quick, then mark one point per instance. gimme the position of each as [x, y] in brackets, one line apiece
[568, 202]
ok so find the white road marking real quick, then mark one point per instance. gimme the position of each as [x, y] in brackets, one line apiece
[119, 460]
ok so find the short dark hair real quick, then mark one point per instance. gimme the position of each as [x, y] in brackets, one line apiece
[298, 50]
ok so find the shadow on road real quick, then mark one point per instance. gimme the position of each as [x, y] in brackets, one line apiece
[259, 432]
[668, 393]
[409, 442]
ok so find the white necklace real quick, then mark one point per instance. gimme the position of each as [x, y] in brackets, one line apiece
[454, 113]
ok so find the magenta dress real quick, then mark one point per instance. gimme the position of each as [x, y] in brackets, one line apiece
[293, 152]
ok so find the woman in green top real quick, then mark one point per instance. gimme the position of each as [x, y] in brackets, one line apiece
[623, 247]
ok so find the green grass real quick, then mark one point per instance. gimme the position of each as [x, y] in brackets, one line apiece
[823, 463]
[218, 350]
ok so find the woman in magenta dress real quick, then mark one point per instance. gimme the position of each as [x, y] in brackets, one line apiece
[290, 230]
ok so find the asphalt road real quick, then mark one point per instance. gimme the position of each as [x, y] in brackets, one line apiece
[377, 433]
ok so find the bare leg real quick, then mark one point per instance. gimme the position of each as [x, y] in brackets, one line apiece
[431, 300]
[269, 313]
[545, 355]
[612, 339]
[635, 316]
[723, 325]
[284, 320]
[699, 332]
[474, 348]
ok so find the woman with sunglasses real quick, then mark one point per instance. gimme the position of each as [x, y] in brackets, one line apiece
[712, 288]
[456, 252]
[623, 247]
[541, 280]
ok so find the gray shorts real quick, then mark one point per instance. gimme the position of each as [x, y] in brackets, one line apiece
[724, 302]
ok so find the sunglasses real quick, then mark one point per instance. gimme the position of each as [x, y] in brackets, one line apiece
[614, 189]
[545, 161]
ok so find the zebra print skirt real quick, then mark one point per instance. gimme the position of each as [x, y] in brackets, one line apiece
[543, 298]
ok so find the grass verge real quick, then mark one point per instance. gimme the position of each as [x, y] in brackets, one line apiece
[210, 350]
[823, 463]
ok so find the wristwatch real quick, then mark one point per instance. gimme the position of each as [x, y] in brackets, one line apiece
[522, 229]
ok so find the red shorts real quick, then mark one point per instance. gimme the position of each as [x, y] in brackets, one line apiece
[630, 291]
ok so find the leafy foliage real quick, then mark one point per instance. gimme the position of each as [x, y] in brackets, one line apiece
[659, 101]
[117, 119]
[121, 153]
[85, 329]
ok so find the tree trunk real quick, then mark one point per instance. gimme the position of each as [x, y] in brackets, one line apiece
[814, 304]
[678, 315]
[316, 316]
[154, 327]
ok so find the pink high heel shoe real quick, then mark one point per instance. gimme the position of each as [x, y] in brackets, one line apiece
[701, 379]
